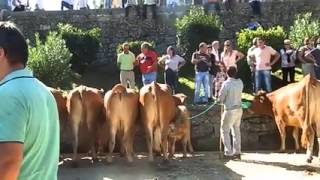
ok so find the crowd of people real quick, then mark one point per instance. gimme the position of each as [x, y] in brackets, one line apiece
[214, 6]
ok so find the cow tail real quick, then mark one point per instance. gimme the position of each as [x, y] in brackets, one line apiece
[157, 132]
[307, 124]
[119, 90]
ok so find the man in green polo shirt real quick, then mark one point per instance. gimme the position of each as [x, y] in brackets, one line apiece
[29, 126]
[126, 61]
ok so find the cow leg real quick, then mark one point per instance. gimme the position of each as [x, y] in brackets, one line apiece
[190, 144]
[295, 134]
[184, 144]
[318, 139]
[149, 137]
[171, 147]
[126, 141]
[112, 142]
[310, 146]
[75, 128]
[164, 142]
[282, 131]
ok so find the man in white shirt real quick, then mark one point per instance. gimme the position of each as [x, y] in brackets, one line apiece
[230, 97]
[20, 5]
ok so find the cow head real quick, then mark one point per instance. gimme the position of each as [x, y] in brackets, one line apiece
[261, 105]
[180, 99]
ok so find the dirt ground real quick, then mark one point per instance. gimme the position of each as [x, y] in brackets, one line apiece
[202, 166]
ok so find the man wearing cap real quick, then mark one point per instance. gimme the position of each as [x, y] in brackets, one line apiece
[29, 121]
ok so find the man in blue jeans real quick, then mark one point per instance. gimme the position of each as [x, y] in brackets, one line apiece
[202, 64]
[263, 63]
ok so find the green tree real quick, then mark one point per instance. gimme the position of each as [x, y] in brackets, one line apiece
[50, 61]
[196, 27]
[304, 26]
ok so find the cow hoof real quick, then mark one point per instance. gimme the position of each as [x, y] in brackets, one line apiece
[130, 159]
[282, 151]
[151, 159]
[309, 160]
[298, 151]
[109, 159]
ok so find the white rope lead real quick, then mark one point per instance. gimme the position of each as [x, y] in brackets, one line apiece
[205, 111]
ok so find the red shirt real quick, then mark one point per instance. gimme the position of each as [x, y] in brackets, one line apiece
[146, 60]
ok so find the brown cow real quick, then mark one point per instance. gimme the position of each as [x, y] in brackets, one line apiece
[61, 101]
[180, 131]
[180, 99]
[86, 113]
[157, 110]
[294, 105]
[121, 106]
[262, 104]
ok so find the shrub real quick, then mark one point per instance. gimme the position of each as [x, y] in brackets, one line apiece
[84, 45]
[274, 37]
[135, 46]
[196, 27]
[304, 26]
[50, 61]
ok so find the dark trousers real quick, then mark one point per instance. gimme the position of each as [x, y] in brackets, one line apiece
[153, 9]
[253, 81]
[256, 7]
[127, 9]
[171, 79]
[19, 8]
[288, 71]
[66, 5]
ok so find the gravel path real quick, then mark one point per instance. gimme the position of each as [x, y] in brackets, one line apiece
[202, 166]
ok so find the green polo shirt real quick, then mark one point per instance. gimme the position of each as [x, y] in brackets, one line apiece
[29, 115]
[126, 61]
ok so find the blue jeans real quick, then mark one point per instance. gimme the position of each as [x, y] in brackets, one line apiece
[201, 78]
[107, 4]
[263, 79]
[149, 78]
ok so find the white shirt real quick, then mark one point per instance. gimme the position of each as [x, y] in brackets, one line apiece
[173, 62]
[82, 4]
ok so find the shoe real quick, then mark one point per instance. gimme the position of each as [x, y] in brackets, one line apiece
[237, 157]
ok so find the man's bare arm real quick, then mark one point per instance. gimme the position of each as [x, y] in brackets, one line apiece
[11, 156]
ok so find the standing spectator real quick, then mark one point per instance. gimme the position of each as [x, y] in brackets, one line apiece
[213, 71]
[126, 61]
[132, 4]
[256, 7]
[228, 4]
[288, 58]
[316, 55]
[107, 4]
[173, 63]
[5, 4]
[229, 56]
[210, 5]
[306, 58]
[230, 97]
[67, 4]
[153, 5]
[202, 63]
[82, 4]
[262, 55]
[215, 50]
[20, 5]
[252, 62]
[253, 24]
[172, 5]
[219, 79]
[147, 61]
[29, 121]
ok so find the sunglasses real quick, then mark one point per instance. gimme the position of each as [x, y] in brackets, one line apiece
[227, 45]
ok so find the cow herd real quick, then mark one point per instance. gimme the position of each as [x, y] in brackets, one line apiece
[100, 119]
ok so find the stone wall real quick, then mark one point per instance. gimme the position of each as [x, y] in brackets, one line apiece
[117, 29]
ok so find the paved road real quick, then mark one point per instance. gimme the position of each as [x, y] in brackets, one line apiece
[203, 166]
